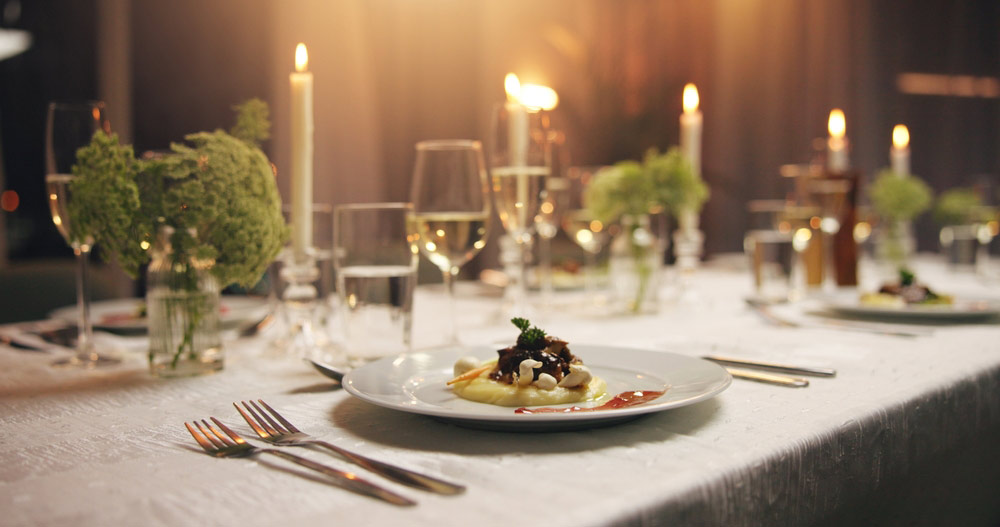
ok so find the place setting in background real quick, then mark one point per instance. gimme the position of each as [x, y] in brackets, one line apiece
[820, 259]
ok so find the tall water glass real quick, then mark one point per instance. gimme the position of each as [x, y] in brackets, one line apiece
[451, 210]
[520, 162]
[70, 126]
[376, 264]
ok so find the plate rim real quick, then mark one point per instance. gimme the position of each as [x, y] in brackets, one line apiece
[546, 418]
[853, 306]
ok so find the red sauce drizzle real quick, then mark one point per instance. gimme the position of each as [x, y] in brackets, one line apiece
[622, 400]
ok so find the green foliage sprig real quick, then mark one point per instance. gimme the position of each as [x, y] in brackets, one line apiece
[630, 188]
[531, 338]
[899, 198]
[676, 185]
[959, 206]
[220, 186]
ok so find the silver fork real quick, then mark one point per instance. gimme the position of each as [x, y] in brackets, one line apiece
[218, 445]
[285, 434]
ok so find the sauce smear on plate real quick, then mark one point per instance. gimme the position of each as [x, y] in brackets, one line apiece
[622, 400]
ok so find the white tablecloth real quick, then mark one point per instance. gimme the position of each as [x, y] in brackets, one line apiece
[905, 434]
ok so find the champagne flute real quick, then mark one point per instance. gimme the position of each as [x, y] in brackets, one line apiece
[451, 209]
[520, 163]
[69, 127]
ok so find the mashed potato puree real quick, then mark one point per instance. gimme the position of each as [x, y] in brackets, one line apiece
[485, 390]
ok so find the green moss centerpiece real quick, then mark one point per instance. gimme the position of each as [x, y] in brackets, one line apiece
[627, 193]
[897, 199]
[210, 212]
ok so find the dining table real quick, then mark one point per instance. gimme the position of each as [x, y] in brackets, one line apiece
[905, 433]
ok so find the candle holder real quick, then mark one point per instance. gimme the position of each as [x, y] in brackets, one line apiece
[688, 243]
[303, 279]
[304, 312]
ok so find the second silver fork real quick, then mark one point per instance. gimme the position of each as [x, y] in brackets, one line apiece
[278, 431]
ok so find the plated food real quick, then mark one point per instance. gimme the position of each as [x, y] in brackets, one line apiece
[416, 383]
[906, 292]
[537, 370]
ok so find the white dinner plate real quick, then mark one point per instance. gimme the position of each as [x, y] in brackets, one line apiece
[960, 311]
[416, 383]
[122, 315]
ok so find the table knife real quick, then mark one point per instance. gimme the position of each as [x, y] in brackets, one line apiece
[769, 378]
[772, 366]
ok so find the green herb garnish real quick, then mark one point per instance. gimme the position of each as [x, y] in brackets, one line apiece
[531, 338]
[906, 277]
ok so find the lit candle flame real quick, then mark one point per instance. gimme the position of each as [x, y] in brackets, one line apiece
[537, 96]
[301, 58]
[512, 86]
[534, 96]
[837, 125]
[690, 98]
[900, 137]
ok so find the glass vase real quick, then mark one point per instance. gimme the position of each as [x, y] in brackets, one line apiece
[182, 302]
[633, 266]
[894, 246]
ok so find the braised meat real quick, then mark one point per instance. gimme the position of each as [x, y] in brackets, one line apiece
[555, 358]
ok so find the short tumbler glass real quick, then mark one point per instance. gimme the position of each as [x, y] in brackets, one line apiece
[376, 264]
[772, 262]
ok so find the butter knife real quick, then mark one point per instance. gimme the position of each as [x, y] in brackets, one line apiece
[772, 366]
[768, 378]
[18, 344]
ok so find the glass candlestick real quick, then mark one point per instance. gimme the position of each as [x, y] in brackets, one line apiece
[303, 311]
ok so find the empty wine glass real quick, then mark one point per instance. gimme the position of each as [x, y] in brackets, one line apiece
[69, 127]
[549, 218]
[580, 225]
[519, 165]
[451, 205]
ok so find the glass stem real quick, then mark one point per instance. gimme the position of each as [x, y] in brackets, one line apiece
[590, 274]
[449, 276]
[521, 299]
[545, 269]
[85, 332]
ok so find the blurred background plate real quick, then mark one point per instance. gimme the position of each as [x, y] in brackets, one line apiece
[127, 315]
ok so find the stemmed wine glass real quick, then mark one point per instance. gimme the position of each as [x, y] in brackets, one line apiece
[580, 225]
[69, 127]
[451, 209]
[549, 218]
[520, 163]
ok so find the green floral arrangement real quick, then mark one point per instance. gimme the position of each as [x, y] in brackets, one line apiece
[961, 206]
[676, 186]
[898, 198]
[219, 185]
[662, 181]
[630, 189]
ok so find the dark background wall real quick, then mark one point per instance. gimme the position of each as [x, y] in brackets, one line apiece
[392, 72]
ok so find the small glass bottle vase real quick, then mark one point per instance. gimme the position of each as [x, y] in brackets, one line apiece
[182, 302]
[894, 247]
[634, 266]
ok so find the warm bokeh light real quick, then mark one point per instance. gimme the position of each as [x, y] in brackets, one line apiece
[301, 58]
[837, 125]
[690, 98]
[9, 200]
[512, 86]
[536, 96]
[900, 136]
